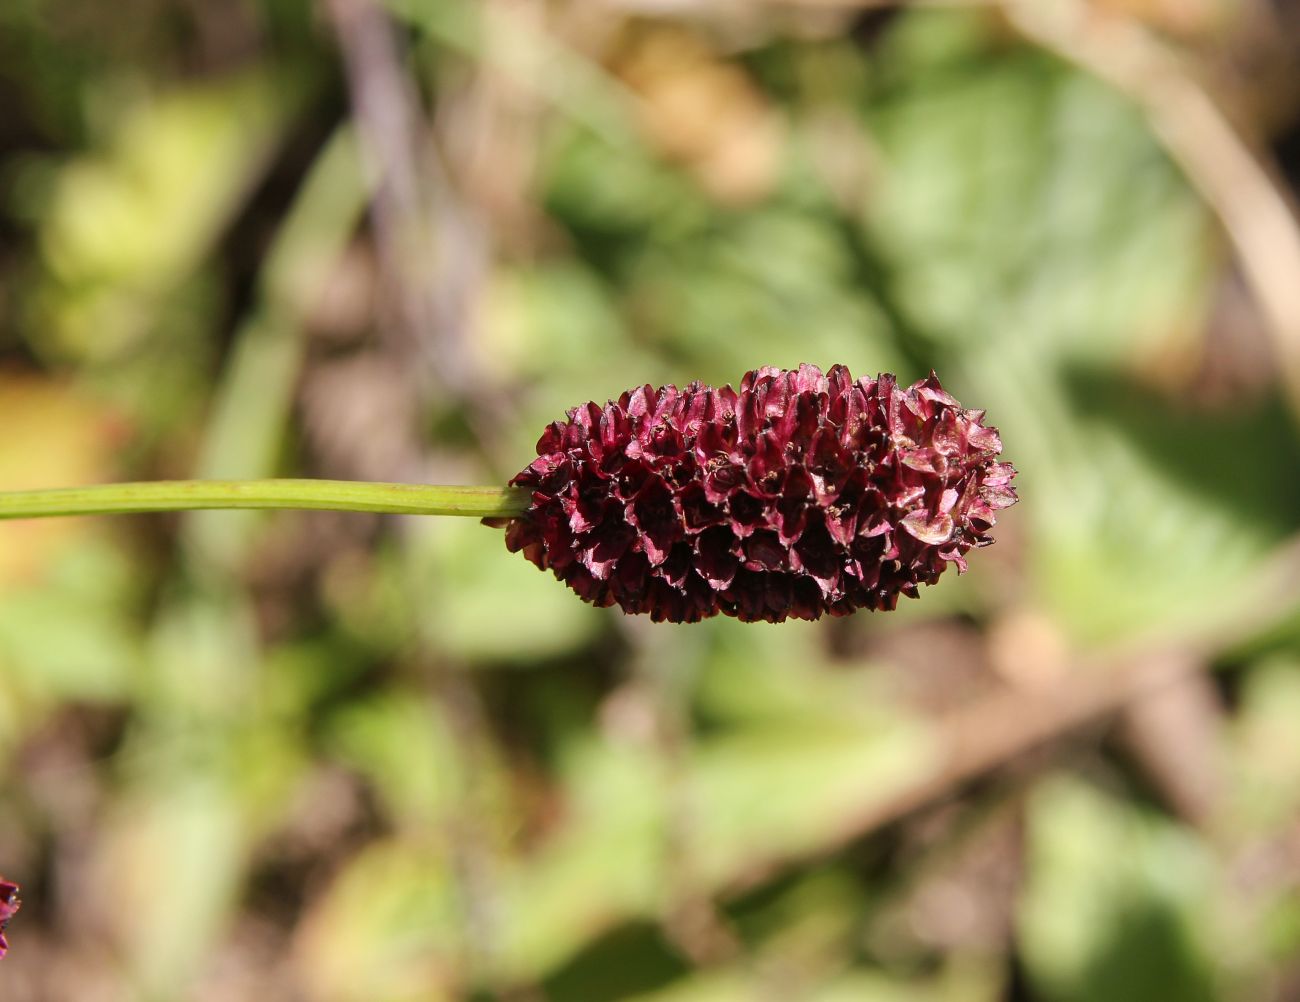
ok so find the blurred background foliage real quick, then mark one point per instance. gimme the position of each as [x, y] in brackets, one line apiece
[339, 757]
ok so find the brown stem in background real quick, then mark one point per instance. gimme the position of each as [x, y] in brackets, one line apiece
[432, 249]
[995, 730]
[390, 124]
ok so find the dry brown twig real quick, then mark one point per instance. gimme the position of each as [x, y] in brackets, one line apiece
[432, 281]
[986, 735]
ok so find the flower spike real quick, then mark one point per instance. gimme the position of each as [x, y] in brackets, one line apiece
[9, 904]
[799, 494]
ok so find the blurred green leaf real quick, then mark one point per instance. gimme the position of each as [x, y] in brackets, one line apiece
[1116, 903]
[1267, 745]
[777, 286]
[73, 639]
[1040, 237]
[604, 866]
[1025, 203]
[247, 430]
[384, 932]
[556, 331]
[456, 563]
[960, 982]
[167, 872]
[126, 226]
[763, 794]
[401, 745]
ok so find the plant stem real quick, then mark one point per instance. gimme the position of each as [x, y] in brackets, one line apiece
[320, 495]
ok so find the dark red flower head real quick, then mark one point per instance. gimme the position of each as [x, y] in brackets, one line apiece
[799, 494]
[9, 902]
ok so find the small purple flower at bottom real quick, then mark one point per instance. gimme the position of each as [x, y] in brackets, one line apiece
[800, 494]
[9, 904]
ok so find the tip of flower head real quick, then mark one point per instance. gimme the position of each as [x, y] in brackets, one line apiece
[9, 905]
[799, 495]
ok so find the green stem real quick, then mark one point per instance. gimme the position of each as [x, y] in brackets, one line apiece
[320, 495]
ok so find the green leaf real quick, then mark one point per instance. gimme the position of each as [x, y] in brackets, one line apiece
[384, 931]
[129, 224]
[478, 601]
[1115, 901]
[403, 747]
